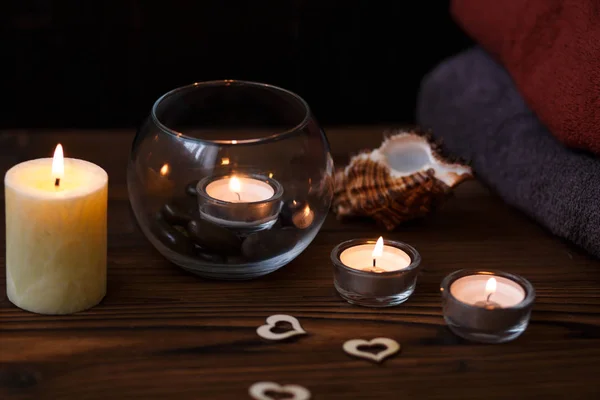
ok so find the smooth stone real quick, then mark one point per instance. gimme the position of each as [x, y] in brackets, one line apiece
[270, 243]
[190, 189]
[213, 237]
[170, 236]
[207, 256]
[288, 209]
[294, 213]
[303, 219]
[182, 230]
[177, 213]
[234, 260]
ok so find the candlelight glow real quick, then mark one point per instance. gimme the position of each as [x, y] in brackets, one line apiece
[306, 211]
[225, 161]
[234, 185]
[490, 286]
[164, 169]
[378, 250]
[58, 163]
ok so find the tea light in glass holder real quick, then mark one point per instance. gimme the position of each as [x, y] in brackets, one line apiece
[244, 202]
[371, 273]
[487, 306]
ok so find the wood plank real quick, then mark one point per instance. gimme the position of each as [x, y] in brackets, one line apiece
[163, 333]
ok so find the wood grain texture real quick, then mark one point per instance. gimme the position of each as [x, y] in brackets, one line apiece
[162, 333]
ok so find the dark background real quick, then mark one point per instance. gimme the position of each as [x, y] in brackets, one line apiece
[101, 64]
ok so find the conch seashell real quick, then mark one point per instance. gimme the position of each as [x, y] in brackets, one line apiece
[405, 178]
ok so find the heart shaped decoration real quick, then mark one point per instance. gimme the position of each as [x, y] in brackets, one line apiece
[266, 331]
[259, 391]
[391, 347]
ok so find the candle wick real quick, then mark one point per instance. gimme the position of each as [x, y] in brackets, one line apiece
[488, 298]
[57, 182]
[374, 263]
[238, 195]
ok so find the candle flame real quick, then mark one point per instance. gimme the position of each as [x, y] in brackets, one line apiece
[490, 286]
[306, 211]
[225, 161]
[378, 250]
[58, 163]
[234, 185]
[164, 169]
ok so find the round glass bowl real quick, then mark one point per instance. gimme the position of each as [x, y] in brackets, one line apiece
[230, 179]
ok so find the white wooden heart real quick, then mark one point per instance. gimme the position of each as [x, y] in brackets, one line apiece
[266, 331]
[391, 347]
[259, 391]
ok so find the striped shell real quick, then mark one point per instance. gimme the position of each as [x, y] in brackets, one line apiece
[405, 178]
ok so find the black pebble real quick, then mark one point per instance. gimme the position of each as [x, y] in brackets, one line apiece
[289, 208]
[170, 236]
[213, 237]
[234, 260]
[182, 230]
[177, 213]
[270, 243]
[207, 256]
[190, 189]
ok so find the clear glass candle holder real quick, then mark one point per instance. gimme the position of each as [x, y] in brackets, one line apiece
[230, 179]
[376, 289]
[242, 217]
[475, 312]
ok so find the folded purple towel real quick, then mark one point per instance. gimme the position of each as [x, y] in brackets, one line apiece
[471, 103]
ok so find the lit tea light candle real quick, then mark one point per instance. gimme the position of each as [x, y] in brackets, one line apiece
[244, 202]
[56, 212]
[483, 291]
[240, 190]
[487, 306]
[375, 258]
[372, 273]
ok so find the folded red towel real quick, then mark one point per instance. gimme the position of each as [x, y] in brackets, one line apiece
[551, 48]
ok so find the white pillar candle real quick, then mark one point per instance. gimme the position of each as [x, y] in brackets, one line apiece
[56, 235]
[387, 258]
[475, 289]
[239, 190]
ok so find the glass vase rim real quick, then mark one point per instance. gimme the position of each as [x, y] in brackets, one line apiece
[228, 82]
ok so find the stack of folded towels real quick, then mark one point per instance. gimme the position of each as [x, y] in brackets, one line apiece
[524, 108]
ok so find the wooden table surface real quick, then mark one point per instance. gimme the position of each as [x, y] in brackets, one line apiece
[163, 333]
